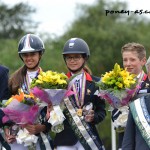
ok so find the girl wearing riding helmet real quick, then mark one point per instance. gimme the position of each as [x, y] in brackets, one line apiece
[30, 50]
[79, 126]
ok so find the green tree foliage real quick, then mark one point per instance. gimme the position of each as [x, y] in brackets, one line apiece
[53, 59]
[15, 21]
[106, 35]
[9, 56]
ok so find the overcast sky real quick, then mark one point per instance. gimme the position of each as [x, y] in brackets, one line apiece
[54, 15]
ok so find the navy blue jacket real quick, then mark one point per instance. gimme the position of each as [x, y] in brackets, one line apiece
[4, 95]
[67, 136]
[133, 139]
[4, 90]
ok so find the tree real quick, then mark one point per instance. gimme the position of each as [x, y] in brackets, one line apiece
[106, 35]
[15, 20]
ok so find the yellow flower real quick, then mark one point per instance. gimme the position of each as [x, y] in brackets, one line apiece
[50, 79]
[39, 81]
[46, 79]
[8, 101]
[40, 77]
[118, 78]
[62, 82]
[63, 76]
[120, 85]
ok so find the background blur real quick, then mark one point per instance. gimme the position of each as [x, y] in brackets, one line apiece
[105, 36]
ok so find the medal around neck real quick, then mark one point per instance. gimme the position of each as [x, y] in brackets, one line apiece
[79, 112]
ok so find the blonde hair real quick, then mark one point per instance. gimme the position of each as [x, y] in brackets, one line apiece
[87, 69]
[131, 47]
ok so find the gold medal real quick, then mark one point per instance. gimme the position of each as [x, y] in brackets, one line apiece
[79, 112]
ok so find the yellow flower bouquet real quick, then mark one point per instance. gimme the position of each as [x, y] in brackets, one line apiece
[117, 86]
[50, 80]
[51, 87]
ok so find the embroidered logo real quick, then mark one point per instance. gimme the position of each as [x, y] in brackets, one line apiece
[147, 85]
[88, 92]
[72, 42]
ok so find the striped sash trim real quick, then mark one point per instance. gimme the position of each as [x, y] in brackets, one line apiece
[140, 113]
[79, 125]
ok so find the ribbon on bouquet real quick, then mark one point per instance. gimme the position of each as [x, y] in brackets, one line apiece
[56, 119]
[82, 130]
[120, 118]
[23, 136]
[56, 116]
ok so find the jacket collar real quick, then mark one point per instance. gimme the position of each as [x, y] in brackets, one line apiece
[88, 76]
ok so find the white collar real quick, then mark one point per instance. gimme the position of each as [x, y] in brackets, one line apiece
[31, 75]
[138, 76]
[78, 77]
[32, 72]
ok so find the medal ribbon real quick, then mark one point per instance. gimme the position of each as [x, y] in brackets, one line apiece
[79, 97]
[141, 78]
[26, 85]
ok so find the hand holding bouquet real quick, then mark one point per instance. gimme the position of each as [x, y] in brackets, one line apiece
[117, 86]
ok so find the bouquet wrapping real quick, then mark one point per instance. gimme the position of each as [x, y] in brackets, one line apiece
[49, 96]
[121, 121]
[117, 87]
[51, 87]
[21, 109]
[117, 98]
[23, 136]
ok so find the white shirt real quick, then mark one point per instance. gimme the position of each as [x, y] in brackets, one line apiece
[31, 75]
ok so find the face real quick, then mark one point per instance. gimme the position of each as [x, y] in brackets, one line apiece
[31, 60]
[132, 62]
[74, 61]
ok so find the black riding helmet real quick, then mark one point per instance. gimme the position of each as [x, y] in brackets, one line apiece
[76, 46]
[30, 43]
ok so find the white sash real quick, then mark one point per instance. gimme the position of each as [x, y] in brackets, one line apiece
[140, 119]
[79, 124]
[46, 142]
